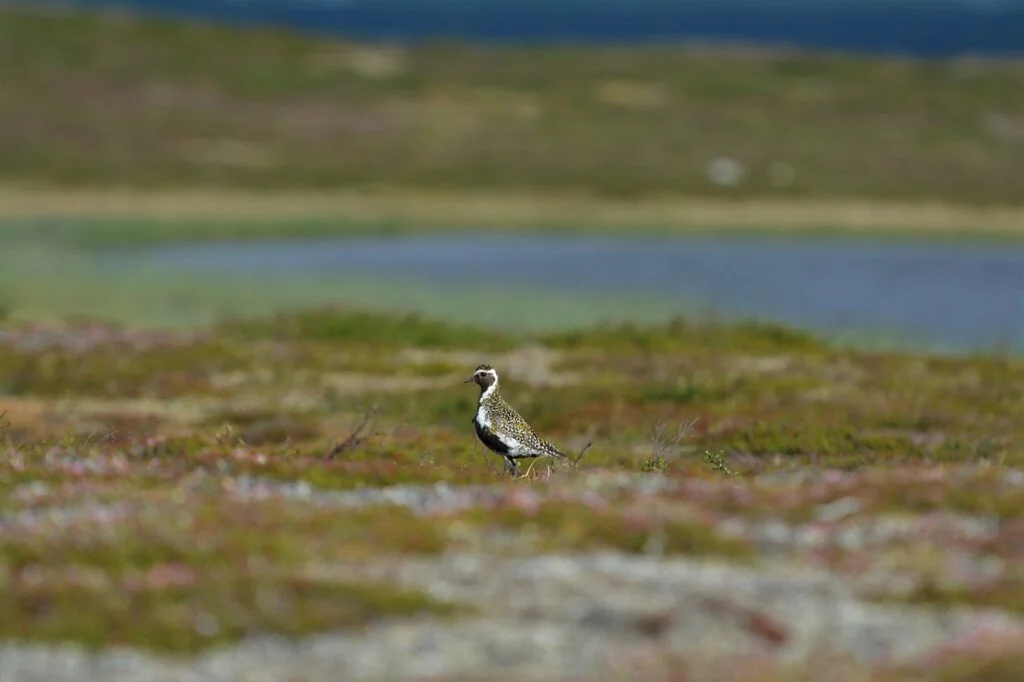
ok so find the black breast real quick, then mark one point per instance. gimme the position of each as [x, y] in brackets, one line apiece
[490, 439]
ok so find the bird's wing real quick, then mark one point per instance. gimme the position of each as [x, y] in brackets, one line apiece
[535, 441]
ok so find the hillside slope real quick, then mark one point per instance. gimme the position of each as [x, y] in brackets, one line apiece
[101, 100]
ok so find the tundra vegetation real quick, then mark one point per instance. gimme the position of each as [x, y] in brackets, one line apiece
[263, 494]
[175, 490]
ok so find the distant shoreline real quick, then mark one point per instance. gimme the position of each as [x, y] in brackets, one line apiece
[237, 214]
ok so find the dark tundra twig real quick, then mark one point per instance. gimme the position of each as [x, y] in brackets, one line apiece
[583, 451]
[353, 439]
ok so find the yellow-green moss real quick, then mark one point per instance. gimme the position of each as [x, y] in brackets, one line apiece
[180, 570]
[216, 608]
[558, 526]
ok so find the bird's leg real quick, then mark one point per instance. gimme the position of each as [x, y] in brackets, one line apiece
[511, 467]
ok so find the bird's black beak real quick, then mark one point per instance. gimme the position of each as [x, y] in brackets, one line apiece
[469, 380]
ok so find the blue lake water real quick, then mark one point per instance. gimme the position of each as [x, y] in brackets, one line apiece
[945, 295]
[921, 27]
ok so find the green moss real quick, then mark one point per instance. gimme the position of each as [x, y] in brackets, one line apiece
[1006, 594]
[357, 470]
[212, 610]
[654, 464]
[435, 369]
[362, 327]
[210, 532]
[258, 427]
[799, 438]
[449, 408]
[181, 573]
[983, 494]
[566, 526]
[683, 334]
[115, 369]
[998, 666]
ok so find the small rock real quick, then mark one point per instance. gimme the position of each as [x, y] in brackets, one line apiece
[837, 510]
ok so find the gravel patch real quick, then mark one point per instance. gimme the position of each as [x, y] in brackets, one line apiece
[868, 531]
[697, 606]
[64, 516]
[423, 499]
[569, 617]
[442, 497]
[582, 616]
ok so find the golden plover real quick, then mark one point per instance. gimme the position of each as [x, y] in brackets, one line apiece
[501, 429]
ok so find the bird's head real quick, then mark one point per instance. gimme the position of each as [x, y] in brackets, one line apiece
[485, 376]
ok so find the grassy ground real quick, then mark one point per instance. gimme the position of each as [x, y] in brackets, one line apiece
[113, 100]
[175, 491]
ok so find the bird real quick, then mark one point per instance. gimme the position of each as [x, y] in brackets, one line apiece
[501, 428]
